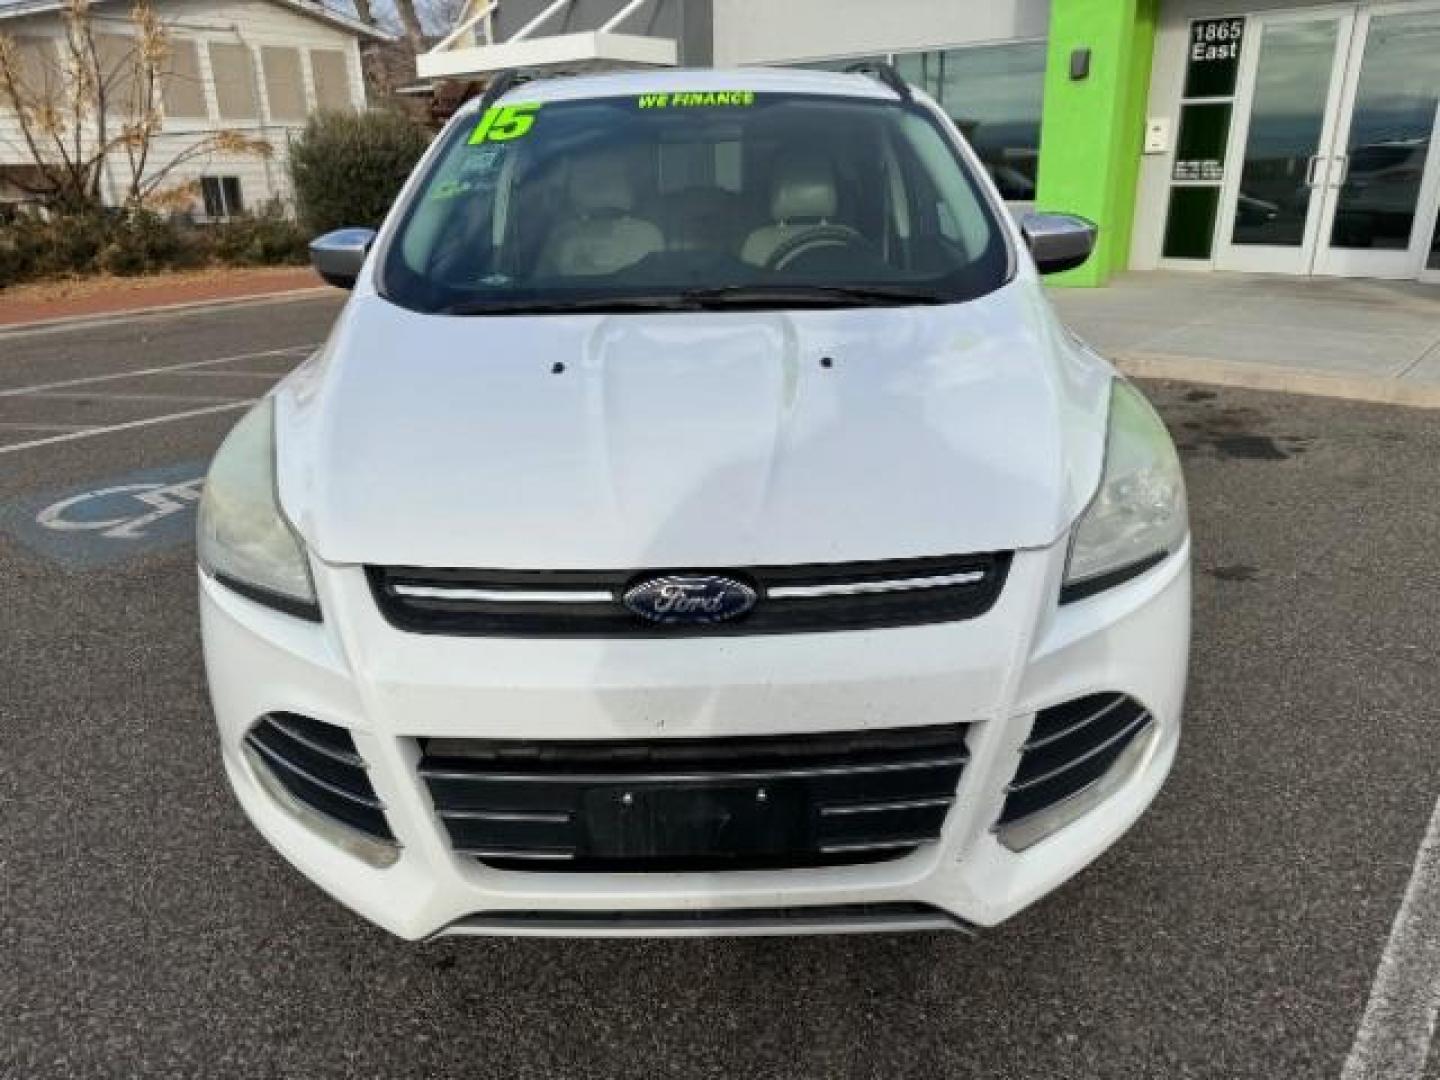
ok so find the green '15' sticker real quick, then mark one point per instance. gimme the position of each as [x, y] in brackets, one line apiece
[501, 123]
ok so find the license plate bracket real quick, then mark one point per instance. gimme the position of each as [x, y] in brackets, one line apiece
[691, 821]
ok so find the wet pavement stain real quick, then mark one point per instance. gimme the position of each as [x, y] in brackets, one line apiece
[1236, 572]
[1252, 447]
[1234, 433]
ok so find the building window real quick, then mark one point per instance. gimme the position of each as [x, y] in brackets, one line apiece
[283, 84]
[995, 94]
[234, 81]
[332, 79]
[183, 88]
[41, 79]
[222, 197]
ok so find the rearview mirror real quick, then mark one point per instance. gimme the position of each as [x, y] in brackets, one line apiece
[339, 256]
[1058, 241]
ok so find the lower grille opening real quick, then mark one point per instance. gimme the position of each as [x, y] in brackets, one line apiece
[896, 916]
[771, 802]
[317, 763]
[1071, 747]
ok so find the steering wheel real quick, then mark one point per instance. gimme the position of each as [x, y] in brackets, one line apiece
[819, 236]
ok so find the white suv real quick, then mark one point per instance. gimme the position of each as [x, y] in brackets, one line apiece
[697, 522]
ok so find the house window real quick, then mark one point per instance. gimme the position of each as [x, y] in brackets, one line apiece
[332, 79]
[222, 197]
[234, 81]
[183, 88]
[283, 85]
[40, 76]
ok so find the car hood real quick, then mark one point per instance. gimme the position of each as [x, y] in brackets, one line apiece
[694, 440]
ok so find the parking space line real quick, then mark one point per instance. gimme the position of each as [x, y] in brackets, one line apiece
[20, 391]
[83, 395]
[1399, 1022]
[90, 433]
[12, 425]
[230, 374]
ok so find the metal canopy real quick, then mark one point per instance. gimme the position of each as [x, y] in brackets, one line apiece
[472, 49]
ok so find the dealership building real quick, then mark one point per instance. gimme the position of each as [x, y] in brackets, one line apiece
[1240, 135]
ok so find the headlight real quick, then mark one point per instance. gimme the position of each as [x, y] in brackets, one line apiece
[244, 539]
[1138, 515]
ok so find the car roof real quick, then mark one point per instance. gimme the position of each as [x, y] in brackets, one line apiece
[673, 80]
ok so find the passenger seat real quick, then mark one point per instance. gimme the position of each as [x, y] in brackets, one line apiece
[604, 235]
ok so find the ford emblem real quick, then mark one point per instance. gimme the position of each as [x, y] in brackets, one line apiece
[690, 599]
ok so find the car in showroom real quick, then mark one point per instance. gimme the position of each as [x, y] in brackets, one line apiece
[697, 521]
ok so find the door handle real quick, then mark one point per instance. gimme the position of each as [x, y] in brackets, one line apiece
[1315, 160]
[1344, 161]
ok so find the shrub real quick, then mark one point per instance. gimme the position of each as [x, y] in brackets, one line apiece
[71, 243]
[127, 243]
[268, 238]
[347, 168]
[146, 243]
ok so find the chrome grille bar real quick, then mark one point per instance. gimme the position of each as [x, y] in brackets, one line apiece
[506, 596]
[870, 588]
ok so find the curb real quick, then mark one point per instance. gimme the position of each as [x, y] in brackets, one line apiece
[1284, 380]
[77, 321]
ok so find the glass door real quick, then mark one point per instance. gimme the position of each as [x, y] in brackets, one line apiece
[1384, 186]
[1291, 82]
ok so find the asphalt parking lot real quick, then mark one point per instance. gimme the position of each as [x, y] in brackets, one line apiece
[146, 930]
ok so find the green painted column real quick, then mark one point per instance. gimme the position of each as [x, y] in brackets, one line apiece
[1093, 129]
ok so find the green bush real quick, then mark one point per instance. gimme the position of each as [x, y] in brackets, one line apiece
[347, 168]
[268, 238]
[146, 243]
[71, 243]
[141, 242]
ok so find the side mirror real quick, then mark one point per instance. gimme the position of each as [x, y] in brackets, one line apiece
[338, 256]
[1058, 241]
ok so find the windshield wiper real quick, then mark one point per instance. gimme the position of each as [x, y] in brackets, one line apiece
[700, 299]
[660, 302]
[812, 296]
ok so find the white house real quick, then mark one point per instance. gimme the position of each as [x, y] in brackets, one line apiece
[255, 67]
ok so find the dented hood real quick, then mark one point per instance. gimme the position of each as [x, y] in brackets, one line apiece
[691, 439]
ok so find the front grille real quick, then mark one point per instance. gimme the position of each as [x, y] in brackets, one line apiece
[1071, 746]
[318, 765]
[768, 802]
[589, 603]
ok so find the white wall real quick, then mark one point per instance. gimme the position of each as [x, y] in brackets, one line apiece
[254, 23]
[1167, 81]
[775, 31]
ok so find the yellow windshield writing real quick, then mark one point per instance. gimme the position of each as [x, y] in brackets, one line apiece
[685, 99]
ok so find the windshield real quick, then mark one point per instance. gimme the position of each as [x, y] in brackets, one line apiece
[679, 201]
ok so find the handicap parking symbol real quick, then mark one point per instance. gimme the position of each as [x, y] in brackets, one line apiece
[111, 521]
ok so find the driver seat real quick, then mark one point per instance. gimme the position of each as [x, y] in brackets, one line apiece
[803, 194]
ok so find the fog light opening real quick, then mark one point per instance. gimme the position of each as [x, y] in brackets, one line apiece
[1028, 831]
[377, 853]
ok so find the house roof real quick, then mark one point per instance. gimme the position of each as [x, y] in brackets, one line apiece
[11, 9]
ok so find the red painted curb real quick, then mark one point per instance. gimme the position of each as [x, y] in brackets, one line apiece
[155, 296]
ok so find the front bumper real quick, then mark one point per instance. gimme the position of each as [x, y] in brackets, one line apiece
[390, 688]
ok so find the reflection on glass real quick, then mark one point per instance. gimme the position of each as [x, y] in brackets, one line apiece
[845, 63]
[994, 93]
[1190, 225]
[1200, 146]
[1286, 121]
[1390, 132]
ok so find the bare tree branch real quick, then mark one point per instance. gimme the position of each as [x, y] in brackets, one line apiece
[94, 107]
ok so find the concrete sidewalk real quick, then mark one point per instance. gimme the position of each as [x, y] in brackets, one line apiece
[1371, 340]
